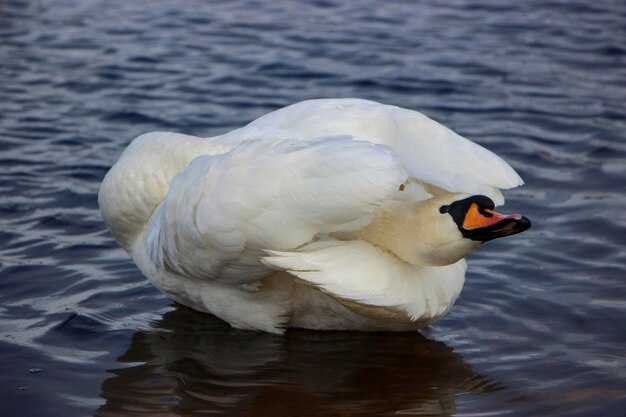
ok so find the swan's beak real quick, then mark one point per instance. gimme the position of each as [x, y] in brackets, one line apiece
[483, 224]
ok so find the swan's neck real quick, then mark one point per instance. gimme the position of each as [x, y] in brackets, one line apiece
[140, 179]
[418, 234]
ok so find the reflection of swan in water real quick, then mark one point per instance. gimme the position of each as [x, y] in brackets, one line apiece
[198, 366]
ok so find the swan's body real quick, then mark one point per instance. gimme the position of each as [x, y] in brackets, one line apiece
[325, 214]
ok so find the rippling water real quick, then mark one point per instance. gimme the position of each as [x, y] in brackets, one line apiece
[539, 329]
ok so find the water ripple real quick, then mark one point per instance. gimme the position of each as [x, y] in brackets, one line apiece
[539, 327]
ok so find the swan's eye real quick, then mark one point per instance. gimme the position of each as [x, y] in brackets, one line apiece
[444, 209]
[485, 212]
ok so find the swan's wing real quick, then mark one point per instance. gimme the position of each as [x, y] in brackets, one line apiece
[223, 211]
[358, 272]
[428, 150]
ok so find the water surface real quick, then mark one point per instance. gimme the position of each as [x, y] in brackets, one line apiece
[539, 328]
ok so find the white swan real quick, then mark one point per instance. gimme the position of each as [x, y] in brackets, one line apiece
[340, 214]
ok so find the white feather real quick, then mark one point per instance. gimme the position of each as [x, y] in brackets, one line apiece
[360, 272]
[224, 210]
[426, 147]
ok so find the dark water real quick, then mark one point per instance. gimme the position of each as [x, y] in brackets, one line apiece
[539, 329]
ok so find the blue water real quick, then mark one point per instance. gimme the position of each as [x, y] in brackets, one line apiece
[539, 329]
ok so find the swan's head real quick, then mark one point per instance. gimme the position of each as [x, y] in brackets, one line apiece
[452, 226]
[476, 219]
[442, 230]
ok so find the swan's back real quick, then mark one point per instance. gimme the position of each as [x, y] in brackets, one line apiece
[140, 180]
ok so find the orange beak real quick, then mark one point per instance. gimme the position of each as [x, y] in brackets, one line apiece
[476, 218]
